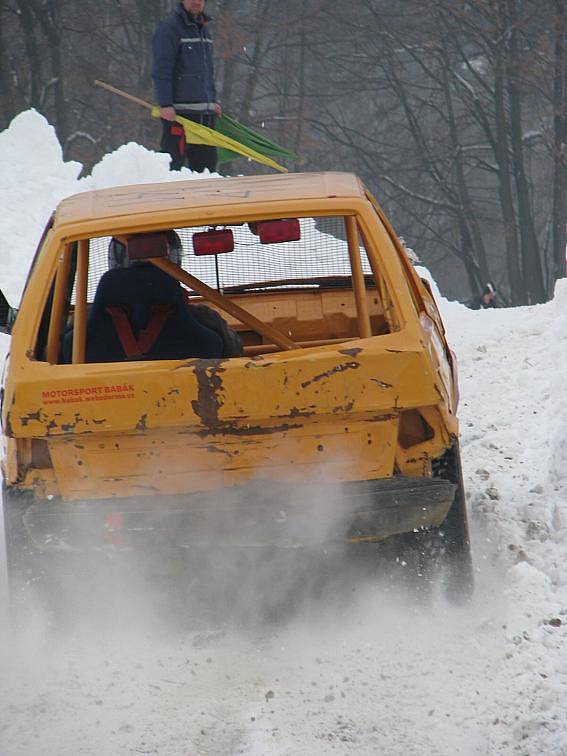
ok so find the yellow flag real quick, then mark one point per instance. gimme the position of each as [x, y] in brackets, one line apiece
[196, 133]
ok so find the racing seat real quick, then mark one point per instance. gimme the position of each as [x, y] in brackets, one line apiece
[139, 313]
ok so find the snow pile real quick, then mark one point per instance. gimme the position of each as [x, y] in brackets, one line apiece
[372, 675]
[35, 179]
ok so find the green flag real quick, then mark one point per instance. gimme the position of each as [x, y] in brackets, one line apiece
[196, 133]
[244, 135]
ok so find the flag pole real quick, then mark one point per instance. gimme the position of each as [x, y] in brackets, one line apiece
[121, 93]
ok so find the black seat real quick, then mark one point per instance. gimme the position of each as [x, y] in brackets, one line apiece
[139, 291]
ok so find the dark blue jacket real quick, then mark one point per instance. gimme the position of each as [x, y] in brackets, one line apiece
[183, 61]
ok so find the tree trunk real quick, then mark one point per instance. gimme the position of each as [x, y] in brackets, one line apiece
[6, 90]
[32, 51]
[47, 17]
[254, 74]
[466, 207]
[531, 259]
[518, 289]
[229, 60]
[559, 213]
[301, 93]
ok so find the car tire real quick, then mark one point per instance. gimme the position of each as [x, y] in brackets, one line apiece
[425, 557]
[21, 561]
[452, 538]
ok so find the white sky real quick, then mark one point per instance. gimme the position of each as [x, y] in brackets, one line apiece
[386, 679]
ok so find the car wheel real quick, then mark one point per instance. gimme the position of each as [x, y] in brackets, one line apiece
[452, 537]
[20, 558]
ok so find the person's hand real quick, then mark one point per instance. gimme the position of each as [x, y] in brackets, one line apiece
[168, 114]
[218, 109]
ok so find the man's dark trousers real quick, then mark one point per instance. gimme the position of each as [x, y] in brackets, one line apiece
[197, 157]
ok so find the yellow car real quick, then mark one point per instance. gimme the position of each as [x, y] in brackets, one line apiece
[196, 358]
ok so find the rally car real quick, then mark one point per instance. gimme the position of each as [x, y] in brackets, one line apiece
[191, 360]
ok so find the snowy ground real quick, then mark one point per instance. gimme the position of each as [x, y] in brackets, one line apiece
[370, 674]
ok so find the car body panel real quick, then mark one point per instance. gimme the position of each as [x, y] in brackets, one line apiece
[337, 412]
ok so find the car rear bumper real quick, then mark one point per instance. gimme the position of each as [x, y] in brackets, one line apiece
[254, 515]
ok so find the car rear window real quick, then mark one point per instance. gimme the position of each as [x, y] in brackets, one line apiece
[321, 252]
[295, 275]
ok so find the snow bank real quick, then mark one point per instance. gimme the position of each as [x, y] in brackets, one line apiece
[35, 178]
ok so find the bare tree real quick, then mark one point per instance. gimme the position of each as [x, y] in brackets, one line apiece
[454, 113]
[560, 141]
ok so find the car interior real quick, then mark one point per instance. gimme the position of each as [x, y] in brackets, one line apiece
[279, 284]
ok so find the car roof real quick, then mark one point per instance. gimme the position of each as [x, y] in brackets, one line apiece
[123, 201]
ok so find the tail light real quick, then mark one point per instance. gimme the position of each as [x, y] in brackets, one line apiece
[213, 242]
[277, 231]
[146, 246]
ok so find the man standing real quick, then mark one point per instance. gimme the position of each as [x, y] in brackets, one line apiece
[184, 82]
